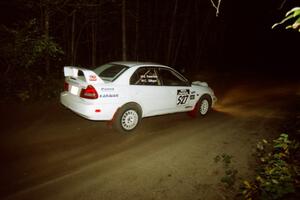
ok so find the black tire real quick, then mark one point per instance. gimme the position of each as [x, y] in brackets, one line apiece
[204, 105]
[204, 102]
[127, 118]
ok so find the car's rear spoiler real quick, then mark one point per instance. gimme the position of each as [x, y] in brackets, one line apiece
[90, 76]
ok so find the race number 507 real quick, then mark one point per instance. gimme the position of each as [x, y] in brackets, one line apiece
[182, 99]
[182, 96]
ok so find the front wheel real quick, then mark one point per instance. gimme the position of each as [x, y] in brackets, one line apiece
[127, 118]
[202, 107]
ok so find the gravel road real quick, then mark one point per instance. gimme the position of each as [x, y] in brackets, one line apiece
[48, 152]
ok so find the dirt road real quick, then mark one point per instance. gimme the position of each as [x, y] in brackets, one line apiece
[47, 152]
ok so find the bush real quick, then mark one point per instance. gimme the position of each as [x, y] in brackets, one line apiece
[277, 172]
[30, 63]
[230, 173]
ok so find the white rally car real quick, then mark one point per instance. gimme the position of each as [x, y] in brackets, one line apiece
[126, 92]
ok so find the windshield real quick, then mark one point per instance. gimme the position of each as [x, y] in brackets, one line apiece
[109, 72]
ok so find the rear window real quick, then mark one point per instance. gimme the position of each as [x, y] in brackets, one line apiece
[109, 72]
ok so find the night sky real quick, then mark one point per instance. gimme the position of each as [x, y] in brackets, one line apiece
[239, 38]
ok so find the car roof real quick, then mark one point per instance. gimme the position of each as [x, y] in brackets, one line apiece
[136, 63]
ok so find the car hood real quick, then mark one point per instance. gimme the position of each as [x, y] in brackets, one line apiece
[203, 84]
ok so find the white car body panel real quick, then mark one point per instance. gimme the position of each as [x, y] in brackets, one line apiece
[153, 100]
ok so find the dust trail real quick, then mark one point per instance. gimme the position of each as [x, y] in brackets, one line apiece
[254, 101]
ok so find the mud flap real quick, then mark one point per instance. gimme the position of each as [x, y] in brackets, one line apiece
[194, 113]
[109, 123]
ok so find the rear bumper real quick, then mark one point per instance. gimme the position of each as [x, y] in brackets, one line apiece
[89, 109]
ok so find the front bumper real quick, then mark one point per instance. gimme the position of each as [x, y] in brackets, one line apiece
[214, 100]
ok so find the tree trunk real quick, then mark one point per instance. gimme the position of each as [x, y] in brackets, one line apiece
[78, 37]
[136, 49]
[124, 50]
[182, 33]
[171, 34]
[46, 15]
[73, 38]
[94, 44]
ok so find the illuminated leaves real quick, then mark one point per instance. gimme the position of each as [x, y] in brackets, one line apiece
[276, 172]
[29, 45]
[230, 173]
[293, 17]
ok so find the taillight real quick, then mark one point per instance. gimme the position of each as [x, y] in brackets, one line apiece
[89, 93]
[66, 86]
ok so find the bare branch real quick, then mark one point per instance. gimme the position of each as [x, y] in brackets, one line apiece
[217, 7]
[282, 4]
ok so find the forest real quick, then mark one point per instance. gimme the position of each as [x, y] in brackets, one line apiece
[38, 38]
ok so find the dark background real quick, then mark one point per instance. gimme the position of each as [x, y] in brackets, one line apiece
[184, 34]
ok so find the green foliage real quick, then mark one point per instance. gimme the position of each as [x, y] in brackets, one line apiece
[27, 45]
[40, 88]
[23, 95]
[293, 16]
[230, 173]
[276, 173]
[24, 53]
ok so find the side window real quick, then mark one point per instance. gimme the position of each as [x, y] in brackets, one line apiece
[171, 78]
[145, 76]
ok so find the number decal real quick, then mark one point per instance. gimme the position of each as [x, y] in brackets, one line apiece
[182, 99]
[182, 96]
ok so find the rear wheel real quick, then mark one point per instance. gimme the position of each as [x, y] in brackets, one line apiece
[127, 118]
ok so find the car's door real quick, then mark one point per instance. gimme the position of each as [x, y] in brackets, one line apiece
[148, 91]
[177, 90]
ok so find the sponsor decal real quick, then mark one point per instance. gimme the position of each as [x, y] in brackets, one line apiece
[192, 97]
[92, 77]
[182, 96]
[183, 92]
[148, 76]
[109, 95]
[148, 79]
[193, 92]
[152, 80]
[107, 89]
[151, 76]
